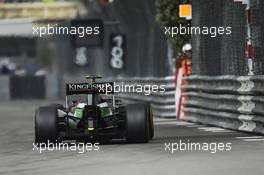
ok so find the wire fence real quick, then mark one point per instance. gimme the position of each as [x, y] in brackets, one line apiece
[225, 54]
[258, 35]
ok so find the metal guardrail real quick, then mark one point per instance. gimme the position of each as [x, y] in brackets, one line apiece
[163, 104]
[234, 102]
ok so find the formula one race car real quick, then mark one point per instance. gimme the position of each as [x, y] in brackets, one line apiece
[96, 118]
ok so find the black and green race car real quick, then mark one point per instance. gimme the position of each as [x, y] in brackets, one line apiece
[95, 118]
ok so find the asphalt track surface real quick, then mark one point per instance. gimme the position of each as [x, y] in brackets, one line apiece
[17, 156]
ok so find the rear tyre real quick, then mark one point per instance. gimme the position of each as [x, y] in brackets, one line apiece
[151, 124]
[137, 125]
[58, 106]
[46, 124]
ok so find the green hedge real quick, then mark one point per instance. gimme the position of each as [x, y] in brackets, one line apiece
[167, 15]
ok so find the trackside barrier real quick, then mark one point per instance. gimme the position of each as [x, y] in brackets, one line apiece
[163, 104]
[233, 102]
[4, 88]
[27, 87]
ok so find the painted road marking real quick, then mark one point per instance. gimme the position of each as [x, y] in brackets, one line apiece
[253, 140]
[163, 119]
[165, 123]
[186, 124]
[250, 137]
[222, 131]
[192, 125]
[211, 129]
[195, 126]
[182, 123]
[174, 122]
[214, 129]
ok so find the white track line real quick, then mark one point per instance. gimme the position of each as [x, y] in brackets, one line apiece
[164, 123]
[222, 131]
[250, 137]
[177, 123]
[181, 123]
[195, 126]
[192, 125]
[253, 140]
[214, 129]
[163, 119]
[210, 128]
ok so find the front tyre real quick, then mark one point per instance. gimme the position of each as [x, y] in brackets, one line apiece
[137, 125]
[46, 124]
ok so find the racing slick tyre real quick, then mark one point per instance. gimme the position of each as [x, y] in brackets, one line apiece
[151, 124]
[58, 106]
[137, 125]
[46, 124]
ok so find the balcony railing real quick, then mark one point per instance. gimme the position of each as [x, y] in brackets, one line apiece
[41, 9]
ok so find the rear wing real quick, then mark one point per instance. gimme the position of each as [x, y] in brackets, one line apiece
[89, 88]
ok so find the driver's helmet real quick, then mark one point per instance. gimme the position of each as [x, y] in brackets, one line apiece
[186, 47]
